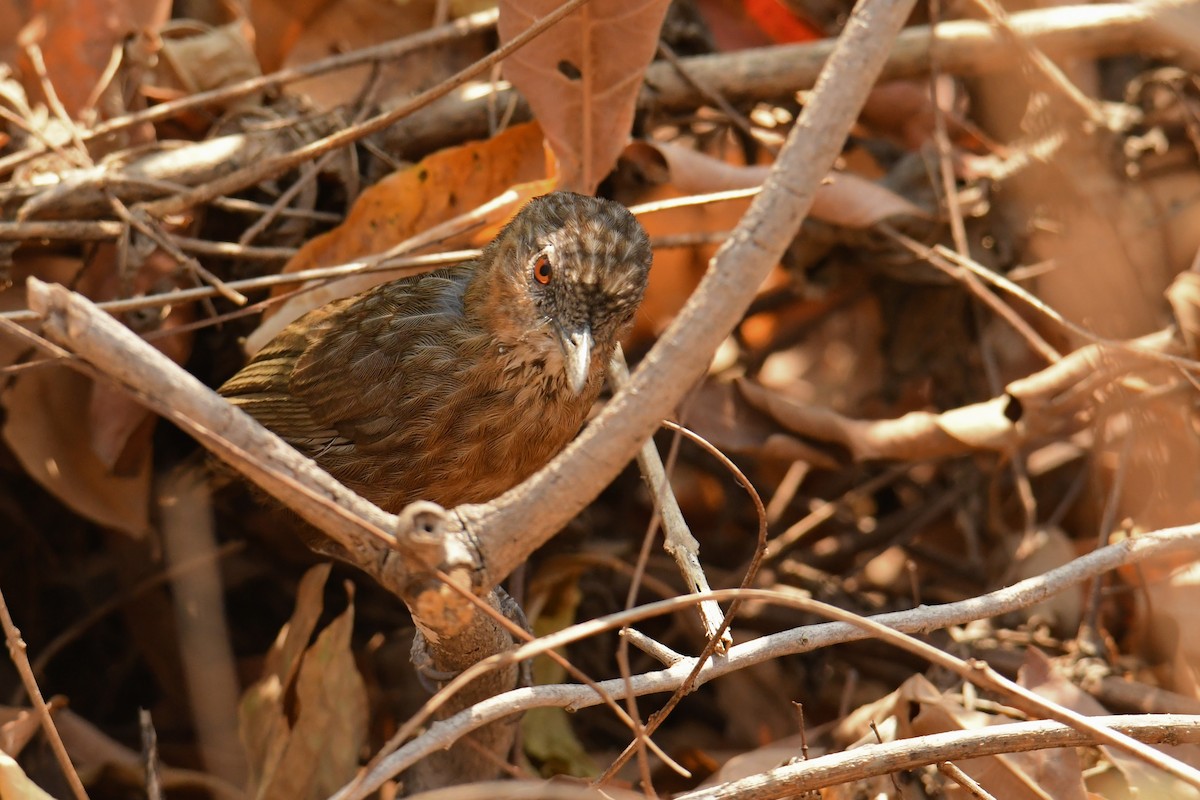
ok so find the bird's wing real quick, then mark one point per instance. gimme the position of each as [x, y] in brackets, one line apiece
[369, 365]
[262, 388]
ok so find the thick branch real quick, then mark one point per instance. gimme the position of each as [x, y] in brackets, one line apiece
[519, 522]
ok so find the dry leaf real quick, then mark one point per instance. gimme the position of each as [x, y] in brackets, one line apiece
[304, 723]
[196, 57]
[913, 436]
[18, 726]
[1042, 675]
[917, 708]
[678, 172]
[77, 41]
[12, 17]
[582, 78]
[1041, 550]
[278, 24]
[842, 199]
[46, 425]
[1169, 616]
[719, 413]
[1010, 775]
[353, 24]
[1176, 25]
[350, 25]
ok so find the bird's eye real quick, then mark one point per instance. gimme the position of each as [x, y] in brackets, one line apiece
[543, 270]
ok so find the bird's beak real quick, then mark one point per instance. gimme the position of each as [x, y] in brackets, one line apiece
[577, 355]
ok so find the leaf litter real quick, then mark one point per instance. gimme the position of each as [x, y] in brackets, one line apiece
[920, 436]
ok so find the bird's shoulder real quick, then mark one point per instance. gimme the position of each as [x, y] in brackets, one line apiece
[375, 334]
[383, 356]
[345, 364]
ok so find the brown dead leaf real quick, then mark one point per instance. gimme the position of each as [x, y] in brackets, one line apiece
[843, 198]
[769, 756]
[904, 111]
[690, 171]
[678, 172]
[18, 727]
[438, 188]
[918, 708]
[1057, 775]
[196, 57]
[852, 201]
[278, 24]
[914, 436]
[756, 703]
[678, 270]
[49, 415]
[582, 78]
[304, 723]
[46, 426]
[443, 185]
[1168, 617]
[77, 41]
[1176, 25]
[837, 357]
[1041, 550]
[719, 413]
[353, 24]
[349, 25]
[12, 17]
[1044, 676]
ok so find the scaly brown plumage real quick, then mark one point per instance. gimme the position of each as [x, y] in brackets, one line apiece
[456, 385]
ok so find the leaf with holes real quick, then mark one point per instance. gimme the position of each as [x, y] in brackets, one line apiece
[582, 77]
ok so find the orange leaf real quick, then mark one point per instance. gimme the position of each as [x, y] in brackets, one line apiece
[779, 23]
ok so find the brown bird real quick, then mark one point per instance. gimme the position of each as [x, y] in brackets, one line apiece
[455, 385]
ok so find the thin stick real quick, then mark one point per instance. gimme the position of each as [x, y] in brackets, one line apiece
[1159, 544]
[34, 53]
[150, 230]
[716, 98]
[955, 773]
[679, 541]
[421, 262]
[16, 651]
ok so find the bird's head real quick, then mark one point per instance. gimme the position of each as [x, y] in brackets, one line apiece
[566, 276]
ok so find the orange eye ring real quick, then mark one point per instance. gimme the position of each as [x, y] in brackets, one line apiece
[543, 270]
